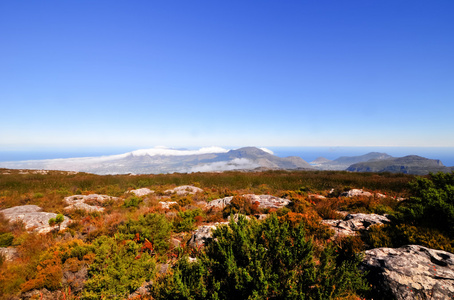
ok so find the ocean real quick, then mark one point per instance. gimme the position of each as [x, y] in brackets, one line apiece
[445, 154]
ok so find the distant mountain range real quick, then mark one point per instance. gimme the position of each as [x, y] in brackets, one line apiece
[343, 162]
[214, 159]
[411, 164]
[156, 161]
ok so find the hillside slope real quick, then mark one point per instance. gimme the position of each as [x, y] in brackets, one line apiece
[411, 164]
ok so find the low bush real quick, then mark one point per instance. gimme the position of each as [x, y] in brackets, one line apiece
[152, 226]
[186, 220]
[260, 260]
[6, 239]
[118, 269]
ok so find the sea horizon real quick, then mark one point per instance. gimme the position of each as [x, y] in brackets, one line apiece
[308, 153]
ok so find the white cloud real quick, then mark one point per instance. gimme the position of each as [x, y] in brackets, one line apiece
[267, 150]
[173, 152]
[234, 164]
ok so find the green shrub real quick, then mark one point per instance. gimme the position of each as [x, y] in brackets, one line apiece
[398, 235]
[185, 221]
[6, 239]
[132, 201]
[153, 227]
[432, 203]
[118, 269]
[261, 260]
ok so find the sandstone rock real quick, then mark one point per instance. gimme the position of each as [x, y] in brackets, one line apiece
[76, 280]
[220, 203]
[141, 192]
[261, 216]
[355, 193]
[184, 190]
[9, 253]
[265, 201]
[84, 206]
[268, 201]
[33, 218]
[166, 205]
[203, 233]
[42, 294]
[315, 196]
[410, 272]
[143, 290]
[80, 202]
[236, 216]
[354, 223]
[162, 268]
[175, 242]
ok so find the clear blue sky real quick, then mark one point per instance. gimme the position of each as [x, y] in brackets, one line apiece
[78, 73]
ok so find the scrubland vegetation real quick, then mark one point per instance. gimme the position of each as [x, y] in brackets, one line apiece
[289, 255]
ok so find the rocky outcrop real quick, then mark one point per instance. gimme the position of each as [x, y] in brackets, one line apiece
[9, 253]
[89, 203]
[203, 233]
[410, 272]
[265, 201]
[220, 203]
[315, 196]
[268, 201]
[142, 192]
[356, 193]
[33, 218]
[184, 190]
[42, 294]
[355, 223]
[167, 205]
[143, 290]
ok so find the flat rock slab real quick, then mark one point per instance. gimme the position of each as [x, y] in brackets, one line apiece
[356, 192]
[142, 192]
[411, 272]
[355, 223]
[265, 201]
[184, 190]
[80, 202]
[33, 218]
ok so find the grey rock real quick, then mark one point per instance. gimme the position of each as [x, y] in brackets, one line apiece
[410, 272]
[143, 290]
[356, 193]
[42, 294]
[76, 280]
[167, 205]
[79, 202]
[9, 253]
[220, 203]
[268, 201]
[203, 233]
[184, 190]
[33, 218]
[315, 196]
[265, 201]
[355, 223]
[141, 192]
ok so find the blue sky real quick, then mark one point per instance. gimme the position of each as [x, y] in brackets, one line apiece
[200, 73]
